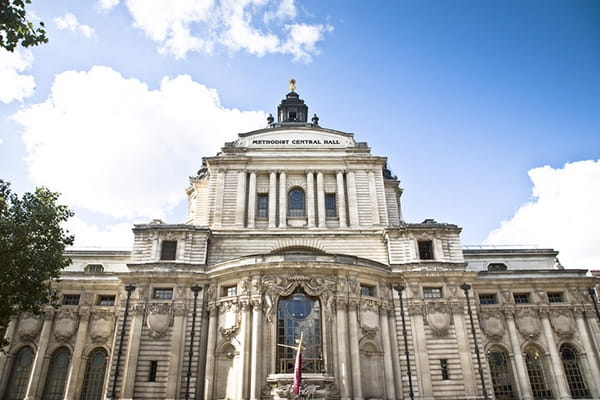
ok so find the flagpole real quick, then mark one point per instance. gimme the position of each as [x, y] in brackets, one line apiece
[298, 367]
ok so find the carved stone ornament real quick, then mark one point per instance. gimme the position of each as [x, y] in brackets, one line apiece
[65, 325]
[528, 324]
[29, 327]
[159, 316]
[438, 317]
[278, 286]
[229, 318]
[369, 315]
[562, 323]
[369, 332]
[101, 326]
[492, 324]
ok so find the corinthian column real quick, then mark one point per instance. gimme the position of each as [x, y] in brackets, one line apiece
[556, 365]
[343, 368]
[320, 200]
[352, 200]
[256, 368]
[210, 353]
[522, 376]
[133, 351]
[82, 331]
[272, 198]
[590, 355]
[252, 200]
[388, 368]
[282, 200]
[310, 199]
[354, 354]
[341, 199]
[373, 196]
[177, 350]
[36, 370]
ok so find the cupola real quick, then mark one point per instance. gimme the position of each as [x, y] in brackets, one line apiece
[292, 109]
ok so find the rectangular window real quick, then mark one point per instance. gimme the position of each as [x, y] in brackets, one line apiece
[168, 250]
[432, 292]
[521, 298]
[163, 294]
[487, 299]
[106, 300]
[230, 291]
[366, 290]
[153, 369]
[262, 206]
[70, 299]
[555, 297]
[330, 205]
[444, 368]
[425, 249]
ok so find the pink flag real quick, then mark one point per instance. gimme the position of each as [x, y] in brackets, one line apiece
[298, 372]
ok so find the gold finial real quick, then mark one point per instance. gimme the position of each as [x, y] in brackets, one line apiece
[292, 85]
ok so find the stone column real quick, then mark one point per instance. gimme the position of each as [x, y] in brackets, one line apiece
[556, 363]
[310, 199]
[73, 381]
[343, 351]
[218, 210]
[282, 200]
[177, 351]
[591, 355]
[245, 347]
[355, 353]
[252, 200]
[373, 195]
[210, 353]
[256, 368]
[133, 351]
[352, 200]
[320, 200]
[522, 376]
[341, 199]
[396, 353]
[464, 350]
[240, 211]
[272, 199]
[423, 372]
[388, 368]
[34, 387]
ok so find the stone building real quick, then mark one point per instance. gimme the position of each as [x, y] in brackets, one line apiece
[298, 228]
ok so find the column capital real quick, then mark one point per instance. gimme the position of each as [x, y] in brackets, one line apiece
[310, 171]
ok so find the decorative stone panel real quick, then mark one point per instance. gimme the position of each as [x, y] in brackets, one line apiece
[438, 317]
[65, 325]
[159, 316]
[101, 326]
[492, 324]
[562, 323]
[528, 323]
[29, 327]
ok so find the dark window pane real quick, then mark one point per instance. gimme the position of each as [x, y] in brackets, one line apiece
[556, 297]
[56, 379]
[502, 377]
[168, 250]
[106, 300]
[521, 298]
[262, 206]
[19, 376]
[425, 249]
[296, 203]
[487, 299]
[70, 299]
[164, 294]
[572, 369]
[93, 380]
[330, 206]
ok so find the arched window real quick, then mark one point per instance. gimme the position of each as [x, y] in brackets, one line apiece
[296, 203]
[535, 370]
[295, 314]
[570, 360]
[19, 376]
[502, 376]
[54, 389]
[93, 381]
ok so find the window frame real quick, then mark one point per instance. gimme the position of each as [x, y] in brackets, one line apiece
[71, 299]
[430, 292]
[106, 298]
[262, 199]
[167, 253]
[483, 297]
[522, 298]
[556, 297]
[160, 293]
[292, 210]
[331, 212]
[427, 255]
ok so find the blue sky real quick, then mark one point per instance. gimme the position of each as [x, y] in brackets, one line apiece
[487, 110]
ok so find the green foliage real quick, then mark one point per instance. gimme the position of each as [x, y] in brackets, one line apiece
[32, 245]
[15, 29]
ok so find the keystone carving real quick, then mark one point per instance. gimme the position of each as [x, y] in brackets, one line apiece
[438, 317]
[492, 324]
[159, 317]
[528, 324]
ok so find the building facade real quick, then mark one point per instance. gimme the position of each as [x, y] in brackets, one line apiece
[297, 229]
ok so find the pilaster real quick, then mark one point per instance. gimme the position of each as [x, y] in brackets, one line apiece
[354, 354]
[352, 199]
[341, 199]
[252, 200]
[556, 363]
[282, 200]
[373, 195]
[34, 386]
[522, 376]
[343, 351]
[272, 198]
[240, 212]
[388, 369]
[310, 199]
[320, 200]
[73, 380]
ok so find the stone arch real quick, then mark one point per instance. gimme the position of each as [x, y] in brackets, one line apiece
[570, 356]
[537, 371]
[501, 371]
[307, 245]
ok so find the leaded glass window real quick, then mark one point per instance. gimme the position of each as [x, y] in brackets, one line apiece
[502, 377]
[54, 389]
[570, 361]
[537, 378]
[299, 313]
[296, 203]
[93, 381]
[19, 376]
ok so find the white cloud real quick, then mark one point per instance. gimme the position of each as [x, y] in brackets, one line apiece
[204, 25]
[564, 214]
[69, 22]
[116, 237]
[112, 146]
[106, 5]
[14, 85]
